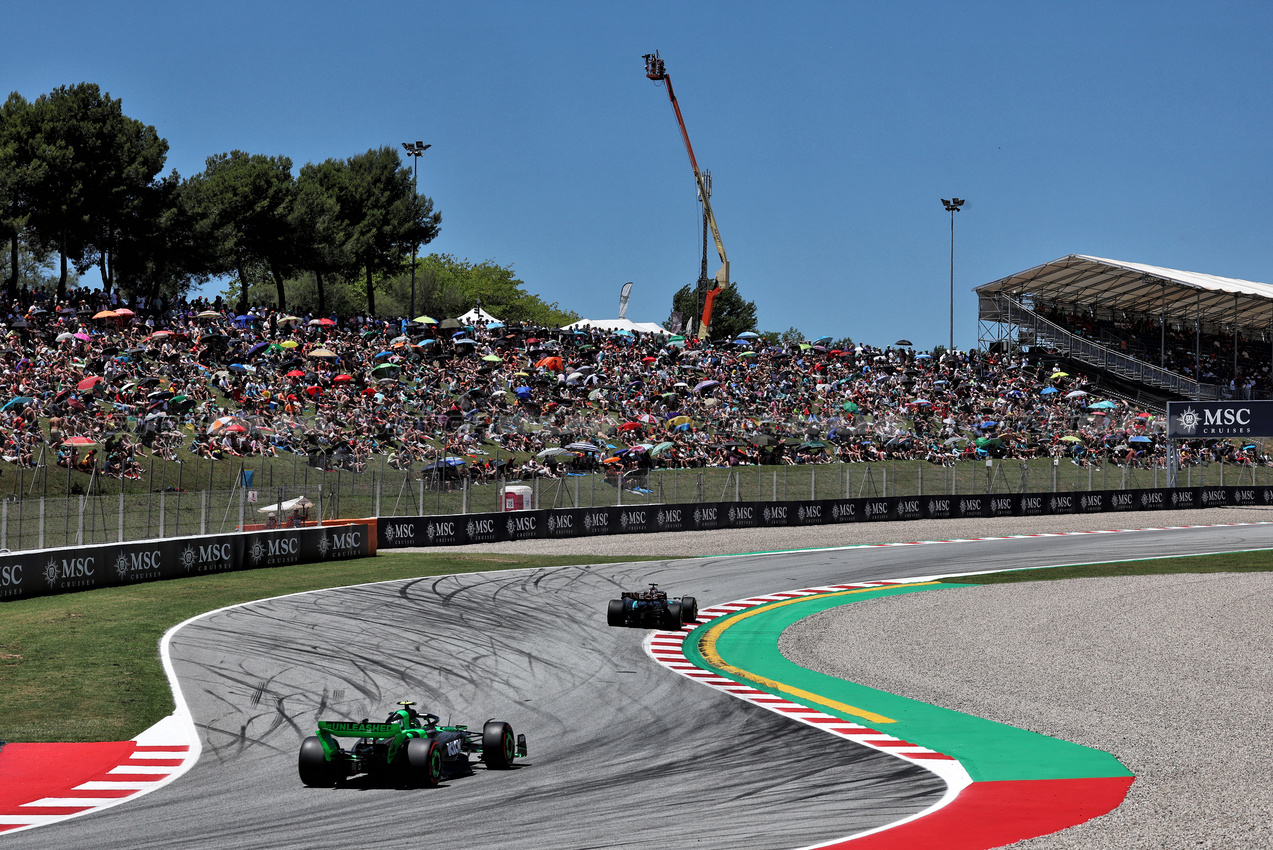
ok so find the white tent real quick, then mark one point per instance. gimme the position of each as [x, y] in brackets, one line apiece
[477, 314]
[619, 325]
[283, 507]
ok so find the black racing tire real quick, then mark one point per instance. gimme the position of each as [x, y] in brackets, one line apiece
[499, 745]
[316, 771]
[689, 609]
[614, 613]
[424, 762]
[674, 616]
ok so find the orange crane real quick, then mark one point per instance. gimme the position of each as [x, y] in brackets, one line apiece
[655, 70]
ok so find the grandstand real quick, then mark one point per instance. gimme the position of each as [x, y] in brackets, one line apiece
[1152, 333]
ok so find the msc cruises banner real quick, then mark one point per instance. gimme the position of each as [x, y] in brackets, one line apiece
[401, 532]
[46, 572]
[1204, 419]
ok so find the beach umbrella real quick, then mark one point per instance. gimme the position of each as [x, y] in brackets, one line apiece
[89, 383]
[551, 363]
[323, 354]
[106, 314]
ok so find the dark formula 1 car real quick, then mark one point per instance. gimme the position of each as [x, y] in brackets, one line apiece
[409, 748]
[651, 609]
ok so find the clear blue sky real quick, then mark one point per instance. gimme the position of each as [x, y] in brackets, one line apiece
[1137, 130]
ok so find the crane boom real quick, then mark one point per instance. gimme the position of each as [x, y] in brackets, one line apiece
[655, 70]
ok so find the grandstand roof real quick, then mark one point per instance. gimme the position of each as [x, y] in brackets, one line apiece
[1138, 288]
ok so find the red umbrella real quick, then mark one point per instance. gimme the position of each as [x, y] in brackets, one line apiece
[629, 426]
[124, 311]
[341, 379]
[327, 323]
[313, 389]
[295, 373]
[88, 383]
[236, 427]
[79, 441]
[649, 360]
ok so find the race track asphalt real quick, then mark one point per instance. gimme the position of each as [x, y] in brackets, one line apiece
[622, 752]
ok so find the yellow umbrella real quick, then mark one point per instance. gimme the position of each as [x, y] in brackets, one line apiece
[288, 343]
[426, 320]
[1056, 375]
[679, 420]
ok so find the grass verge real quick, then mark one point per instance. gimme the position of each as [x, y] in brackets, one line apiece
[94, 656]
[1260, 560]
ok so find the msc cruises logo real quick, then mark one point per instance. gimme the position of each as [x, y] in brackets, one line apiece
[1188, 420]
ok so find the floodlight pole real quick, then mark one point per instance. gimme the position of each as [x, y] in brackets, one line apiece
[415, 150]
[952, 207]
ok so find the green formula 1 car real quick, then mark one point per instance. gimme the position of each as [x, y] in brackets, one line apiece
[409, 748]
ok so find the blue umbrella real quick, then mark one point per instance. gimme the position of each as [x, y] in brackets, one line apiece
[241, 367]
[17, 400]
[1047, 391]
[1139, 439]
[380, 354]
[457, 333]
[987, 424]
[522, 392]
[754, 335]
[254, 349]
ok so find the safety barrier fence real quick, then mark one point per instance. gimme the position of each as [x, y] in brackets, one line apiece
[35, 522]
[402, 532]
[24, 575]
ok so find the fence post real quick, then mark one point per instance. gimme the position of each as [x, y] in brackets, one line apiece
[42, 520]
[4, 525]
[121, 516]
[813, 482]
[379, 484]
[1221, 473]
[775, 486]
[421, 495]
[203, 512]
[79, 528]
[162, 499]
[919, 483]
[464, 495]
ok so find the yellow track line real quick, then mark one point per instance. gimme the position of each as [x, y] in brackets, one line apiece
[707, 647]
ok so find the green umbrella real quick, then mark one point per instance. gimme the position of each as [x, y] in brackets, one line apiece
[660, 448]
[850, 406]
[390, 366]
[492, 358]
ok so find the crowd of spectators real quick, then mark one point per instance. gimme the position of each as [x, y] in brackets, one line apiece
[99, 386]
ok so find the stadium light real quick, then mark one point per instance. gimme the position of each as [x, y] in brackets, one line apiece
[415, 150]
[952, 207]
